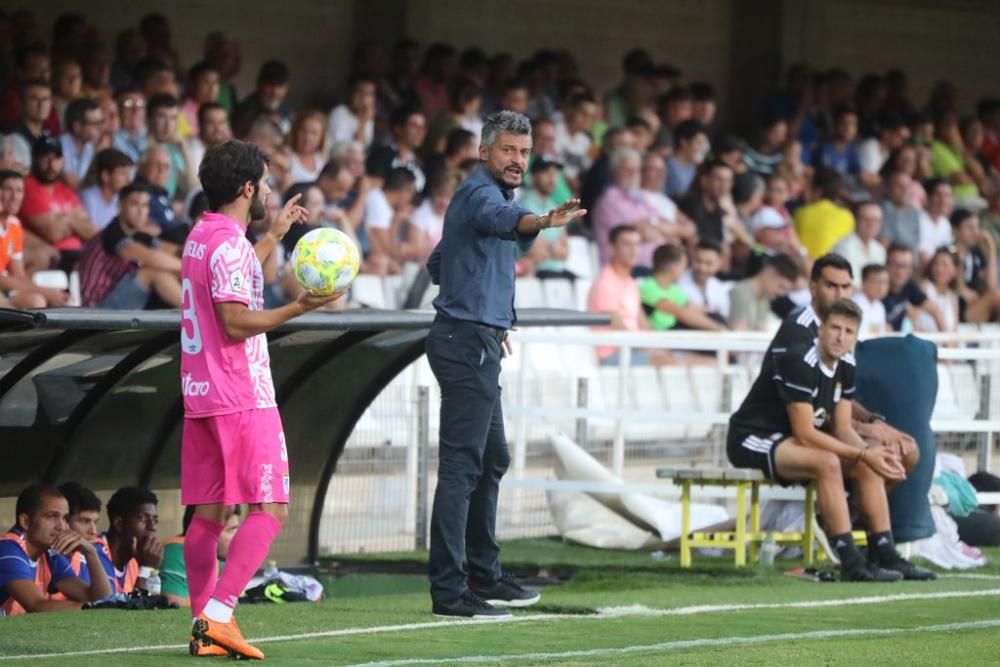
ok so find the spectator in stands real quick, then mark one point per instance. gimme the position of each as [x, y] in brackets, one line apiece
[268, 100]
[977, 257]
[131, 548]
[154, 77]
[751, 298]
[770, 151]
[465, 100]
[34, 564]
[597, 179]
[202, 88]
[710, 206]
[795, 425]
[307, 140]
[875, 150]
[704, 103]
[36, 106]
[408, 128]
[901, 221]
[914, 161]
[840, 154]
[223, 53]
[84, 515]
[673, 107]
[617, 107]
[153, 173]
[514, 96]
[862, 247]
[213, 129]
[616, 293]
[664, 302]
[905, 298]
[700, 284]
[386, 209]
[345, 191]
[163, 112]
[124, 265]
[355, 119]
[130, 49]
[771, 224]
[427, 222]
[935, 224]
[31, 63]
[112, 172]
[266, 135]
[624, 203]
[83, 122]
[690, 148]
[948, 160]
[112, 121]
[643, 131]
[67, 85]
[823, 222]
[131, 139]
[874, 288]
[173, 573]
[653, 180]
[941, 284]
[438, 70]
[549, 251]
[16, 288]
[977, 163]
[51, 210]
[796, 173]
[574, 139]
[460, 145]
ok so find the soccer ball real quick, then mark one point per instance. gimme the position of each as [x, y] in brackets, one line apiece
[325, 260]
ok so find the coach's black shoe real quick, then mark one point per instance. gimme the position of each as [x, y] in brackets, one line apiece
[909, 571]
[869, 572]
[468, 605]
[507, 592]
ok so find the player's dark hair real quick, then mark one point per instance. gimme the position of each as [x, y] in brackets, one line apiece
[205, 108]
[842, 307]
[830, 259]
[786, 267]
[227, 167]
[127, 500]
[30, 499]
[666, 255]
[80, 498]
[872, 270]
[618, 230]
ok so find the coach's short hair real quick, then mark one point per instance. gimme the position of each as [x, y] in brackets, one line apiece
[30, 499]
[127, 500]
[226, 167]
[80, 498]
[830, 259]
[842, 307]
[504, 122]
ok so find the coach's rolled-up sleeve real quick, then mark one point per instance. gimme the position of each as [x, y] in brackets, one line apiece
[496, 216]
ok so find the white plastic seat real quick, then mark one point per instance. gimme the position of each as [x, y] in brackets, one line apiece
[581, 289]
[558, 293]
[51, 279]
[579, 261]
[528, 293]
[393, 288]
[946, 407]
[368, 291]
[966, 388]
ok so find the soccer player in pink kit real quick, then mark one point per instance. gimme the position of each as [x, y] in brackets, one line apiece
[233, 450]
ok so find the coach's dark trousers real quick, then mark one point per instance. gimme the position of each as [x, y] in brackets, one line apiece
[472, 456]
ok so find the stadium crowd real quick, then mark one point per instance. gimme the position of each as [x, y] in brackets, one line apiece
[694, 226]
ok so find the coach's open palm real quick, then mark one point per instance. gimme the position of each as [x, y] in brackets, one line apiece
[566, 213]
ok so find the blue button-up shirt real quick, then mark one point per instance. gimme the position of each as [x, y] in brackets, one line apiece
[474, 261]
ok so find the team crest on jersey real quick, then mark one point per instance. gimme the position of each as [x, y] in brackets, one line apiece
[819, 417]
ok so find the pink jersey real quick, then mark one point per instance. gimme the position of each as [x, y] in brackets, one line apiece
[219, 375]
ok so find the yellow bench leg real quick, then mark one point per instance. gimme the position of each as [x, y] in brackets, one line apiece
[685, 523]
[808, 536]
[741, 524]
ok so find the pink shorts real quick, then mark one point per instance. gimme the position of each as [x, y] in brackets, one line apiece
[234, 459]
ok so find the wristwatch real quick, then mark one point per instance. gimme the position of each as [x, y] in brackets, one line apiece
[538, 222]
[875, 417]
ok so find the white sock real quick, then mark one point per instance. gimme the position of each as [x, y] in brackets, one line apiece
[218, 611]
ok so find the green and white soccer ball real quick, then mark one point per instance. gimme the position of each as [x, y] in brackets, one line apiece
[325, 260]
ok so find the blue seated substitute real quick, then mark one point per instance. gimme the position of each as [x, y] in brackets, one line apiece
[897, 377]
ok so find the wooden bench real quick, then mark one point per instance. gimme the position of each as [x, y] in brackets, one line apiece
[740, 540]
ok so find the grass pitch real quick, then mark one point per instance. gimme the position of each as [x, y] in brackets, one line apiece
[617, 609]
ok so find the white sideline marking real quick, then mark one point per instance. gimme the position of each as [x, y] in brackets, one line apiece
[602, 614]
[990, 577]
[688, 643]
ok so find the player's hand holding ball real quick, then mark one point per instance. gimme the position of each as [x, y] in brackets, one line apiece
[325, 263]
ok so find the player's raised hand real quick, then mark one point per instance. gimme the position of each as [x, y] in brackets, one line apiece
[67, 542]
[566, 213]
[291, 214]
[149, 551]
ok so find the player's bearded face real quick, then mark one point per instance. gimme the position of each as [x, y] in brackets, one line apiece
[258, 209]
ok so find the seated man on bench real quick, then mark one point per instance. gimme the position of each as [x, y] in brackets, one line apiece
[795, 426]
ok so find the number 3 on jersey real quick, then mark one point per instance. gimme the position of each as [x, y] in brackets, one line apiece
[190, 343]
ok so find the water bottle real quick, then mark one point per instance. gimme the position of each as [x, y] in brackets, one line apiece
[153, 583]
[271, 571]
[768, 550]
